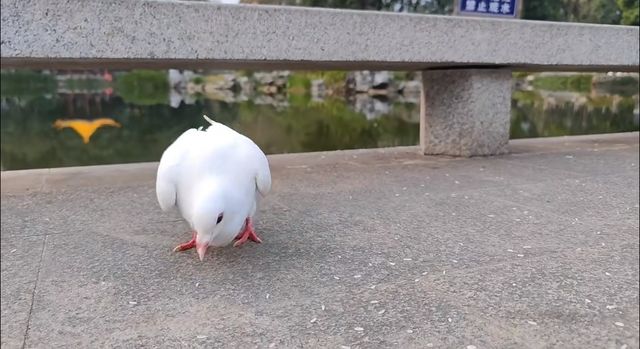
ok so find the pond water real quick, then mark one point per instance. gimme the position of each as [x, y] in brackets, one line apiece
[57, 119]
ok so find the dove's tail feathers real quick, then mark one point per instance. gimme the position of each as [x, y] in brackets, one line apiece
[208, 120]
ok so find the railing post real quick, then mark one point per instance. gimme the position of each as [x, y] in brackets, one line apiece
[465, 112]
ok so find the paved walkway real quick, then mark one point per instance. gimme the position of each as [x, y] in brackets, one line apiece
[363, 249]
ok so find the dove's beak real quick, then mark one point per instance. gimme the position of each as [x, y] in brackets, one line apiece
[202, 249]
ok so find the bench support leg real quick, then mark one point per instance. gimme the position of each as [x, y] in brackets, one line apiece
[465, 112]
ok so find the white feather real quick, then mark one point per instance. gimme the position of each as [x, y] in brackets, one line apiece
[204, 170]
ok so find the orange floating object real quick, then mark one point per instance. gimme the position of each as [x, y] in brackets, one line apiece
[85, 128]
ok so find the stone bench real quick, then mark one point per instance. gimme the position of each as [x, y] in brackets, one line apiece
[466, 62]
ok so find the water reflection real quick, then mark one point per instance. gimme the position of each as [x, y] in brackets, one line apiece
[132, 116]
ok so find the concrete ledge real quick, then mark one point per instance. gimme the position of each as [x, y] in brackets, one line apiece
[124, 33]
[48, 179]
[24, 181]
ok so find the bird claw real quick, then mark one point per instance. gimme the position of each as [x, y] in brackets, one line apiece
[187, 245]
[249, 234]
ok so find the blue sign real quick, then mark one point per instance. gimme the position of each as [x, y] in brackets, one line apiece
[499, 8]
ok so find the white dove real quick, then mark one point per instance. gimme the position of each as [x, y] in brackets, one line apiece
[215, 177]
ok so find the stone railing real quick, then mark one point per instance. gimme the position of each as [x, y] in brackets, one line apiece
[466, 62]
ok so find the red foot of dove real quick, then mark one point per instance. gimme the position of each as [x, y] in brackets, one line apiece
[215, 178]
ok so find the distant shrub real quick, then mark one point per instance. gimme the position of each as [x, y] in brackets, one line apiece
[298, 83]
[198, 80]
[26, 83]
[576, 83]
[143, 87]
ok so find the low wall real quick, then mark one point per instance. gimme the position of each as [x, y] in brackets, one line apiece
[137, 33]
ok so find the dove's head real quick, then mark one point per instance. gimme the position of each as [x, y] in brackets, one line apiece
[208, 218]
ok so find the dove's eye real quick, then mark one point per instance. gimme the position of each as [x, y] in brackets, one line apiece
[220, 218]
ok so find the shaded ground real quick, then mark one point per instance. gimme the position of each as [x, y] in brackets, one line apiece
[366, 249]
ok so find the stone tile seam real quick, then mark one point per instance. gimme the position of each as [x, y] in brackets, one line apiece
[34, 292]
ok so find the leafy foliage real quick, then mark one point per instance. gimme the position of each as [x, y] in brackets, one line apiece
[143, 87]
[630, 12]
[26, 84]
[577, 83]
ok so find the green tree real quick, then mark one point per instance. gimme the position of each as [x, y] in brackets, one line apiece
[26, 84]
[545, 10]
[143, 87]
[630, 12]
[589, 11]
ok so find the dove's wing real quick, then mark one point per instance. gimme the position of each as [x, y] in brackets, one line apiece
[168, 170]
[256, 160]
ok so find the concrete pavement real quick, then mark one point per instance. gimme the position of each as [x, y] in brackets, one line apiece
[362, 249]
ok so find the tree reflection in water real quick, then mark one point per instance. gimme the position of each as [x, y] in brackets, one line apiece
[141, 126]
